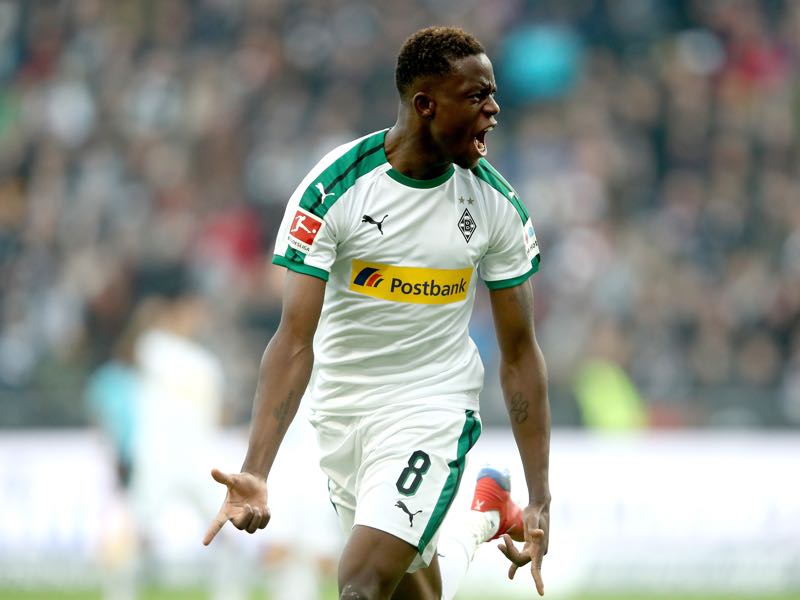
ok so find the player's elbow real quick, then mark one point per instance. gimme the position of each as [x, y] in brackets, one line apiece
[521, 351]
[525, 361]
[289, 347]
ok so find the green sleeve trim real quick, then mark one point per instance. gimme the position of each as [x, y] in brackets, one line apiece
[300, 267]
[515, 281]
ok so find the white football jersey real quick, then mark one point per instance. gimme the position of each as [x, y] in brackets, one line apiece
[401, 258]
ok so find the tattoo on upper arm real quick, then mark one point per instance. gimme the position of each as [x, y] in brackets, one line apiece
[518, 408]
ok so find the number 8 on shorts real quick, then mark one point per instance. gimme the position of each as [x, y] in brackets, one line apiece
[411, 477]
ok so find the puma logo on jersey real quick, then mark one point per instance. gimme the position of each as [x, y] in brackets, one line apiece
[322, 194]
[402, 506]
[378, 224]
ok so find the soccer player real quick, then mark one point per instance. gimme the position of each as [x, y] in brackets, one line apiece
[384, 241]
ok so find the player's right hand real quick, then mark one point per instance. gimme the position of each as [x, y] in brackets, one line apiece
[245, 503]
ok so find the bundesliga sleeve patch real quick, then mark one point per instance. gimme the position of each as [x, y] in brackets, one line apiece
[529, 238]
[303, 230]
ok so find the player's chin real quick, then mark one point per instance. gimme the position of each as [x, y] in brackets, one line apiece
[471, 155]
[468, 160]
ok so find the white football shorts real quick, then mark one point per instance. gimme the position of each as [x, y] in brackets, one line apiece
[397, 469]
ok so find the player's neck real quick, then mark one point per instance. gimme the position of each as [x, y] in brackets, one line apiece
[411, 152]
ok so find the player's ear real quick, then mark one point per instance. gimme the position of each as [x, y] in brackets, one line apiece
[424, 105]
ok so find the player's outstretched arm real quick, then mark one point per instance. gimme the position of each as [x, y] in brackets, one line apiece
[523, 377]
[283, 376]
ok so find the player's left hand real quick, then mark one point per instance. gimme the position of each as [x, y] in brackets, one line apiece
[536, 522]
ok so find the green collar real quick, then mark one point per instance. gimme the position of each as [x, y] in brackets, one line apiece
[421, 183]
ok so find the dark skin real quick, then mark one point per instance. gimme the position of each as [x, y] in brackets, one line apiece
[436, 126]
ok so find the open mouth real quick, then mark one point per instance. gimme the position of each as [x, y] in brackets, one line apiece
[480, 141]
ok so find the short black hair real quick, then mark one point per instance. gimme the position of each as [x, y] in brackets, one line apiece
[431, 51]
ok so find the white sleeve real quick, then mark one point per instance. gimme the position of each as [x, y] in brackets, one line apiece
[513, 253]
[306, 241]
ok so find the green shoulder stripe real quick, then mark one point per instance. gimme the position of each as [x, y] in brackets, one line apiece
[490, 175]
[342, 174]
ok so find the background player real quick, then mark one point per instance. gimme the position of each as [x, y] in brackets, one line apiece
[396, 378]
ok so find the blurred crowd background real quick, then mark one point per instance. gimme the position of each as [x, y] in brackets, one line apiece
[148, 147]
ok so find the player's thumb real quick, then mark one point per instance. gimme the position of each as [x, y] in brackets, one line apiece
[533, 535]
[221, 477]
[536, 534]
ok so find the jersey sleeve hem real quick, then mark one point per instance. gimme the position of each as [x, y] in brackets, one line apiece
[502, 284]
[300, 268]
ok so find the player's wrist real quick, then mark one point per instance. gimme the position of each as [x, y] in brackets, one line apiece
[539, 501]
[256, 475]
[260, 472]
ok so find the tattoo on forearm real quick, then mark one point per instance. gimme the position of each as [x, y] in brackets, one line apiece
[281, 412]
[518, 408]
